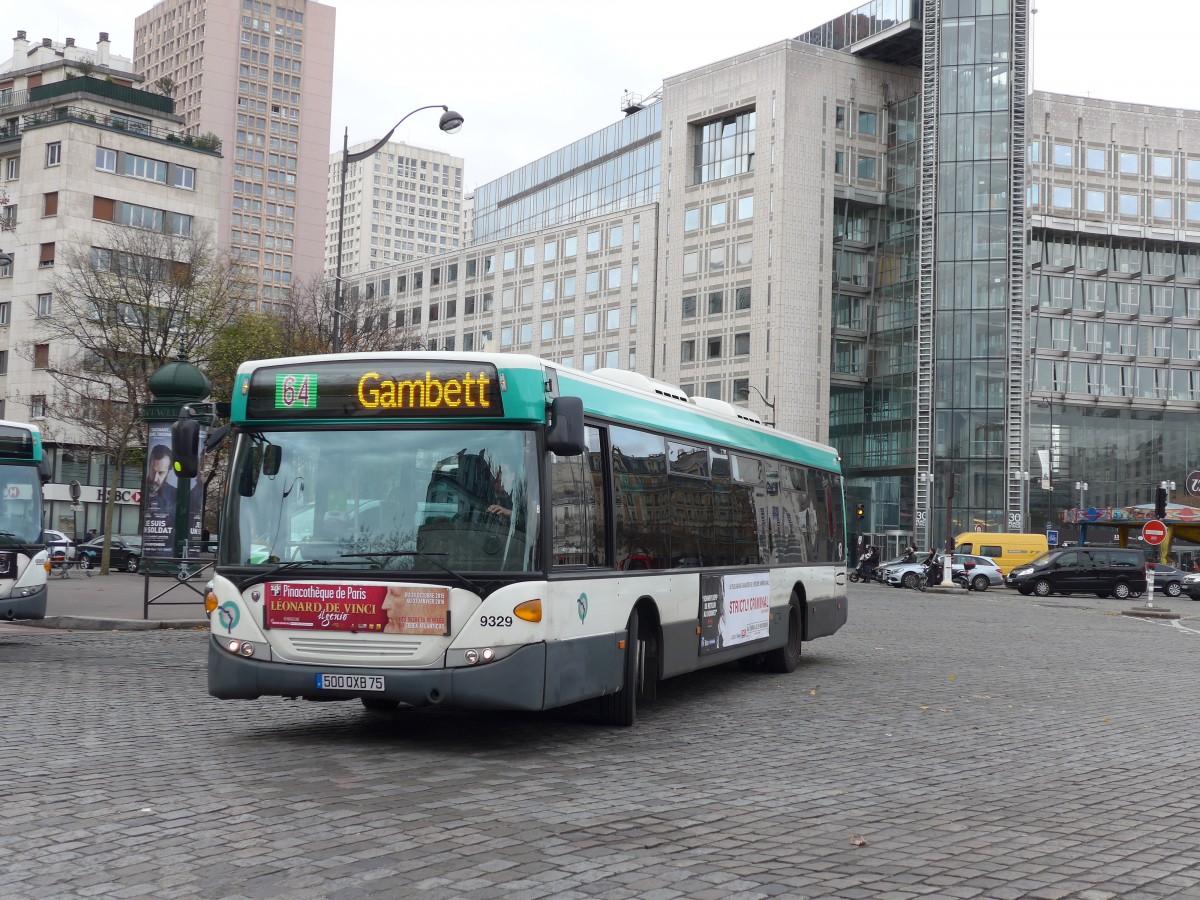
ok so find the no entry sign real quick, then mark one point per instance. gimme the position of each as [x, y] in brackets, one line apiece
[1154, 532]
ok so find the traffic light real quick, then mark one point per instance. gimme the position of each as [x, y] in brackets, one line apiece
[860, 512]
[1160, 503]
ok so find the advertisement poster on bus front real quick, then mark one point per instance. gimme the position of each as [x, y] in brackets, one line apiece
[161, 496]
[386, 609]
[734, 609]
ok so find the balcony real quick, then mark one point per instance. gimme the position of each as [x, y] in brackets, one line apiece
[119, 122]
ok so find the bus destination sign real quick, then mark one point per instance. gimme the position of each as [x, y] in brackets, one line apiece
[381, 388]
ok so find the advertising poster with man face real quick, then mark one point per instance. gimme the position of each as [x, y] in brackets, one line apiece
[161, 496]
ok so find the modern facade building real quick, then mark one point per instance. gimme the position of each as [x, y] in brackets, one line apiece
[403, 203]
[841, 229]
[83, 151]
[259, 75]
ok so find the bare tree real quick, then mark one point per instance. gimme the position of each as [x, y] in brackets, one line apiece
[121, 311]
[366, 321]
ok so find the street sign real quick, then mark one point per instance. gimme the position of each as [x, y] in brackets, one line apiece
[1154, 533]
[76, 507]
[1052, 538]
[979, 528]
[920, 518]
[76, 489]
[1193, 484]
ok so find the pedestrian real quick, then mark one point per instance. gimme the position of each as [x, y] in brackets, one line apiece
[91, 534]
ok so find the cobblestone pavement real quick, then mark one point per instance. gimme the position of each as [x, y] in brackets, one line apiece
[969, 746]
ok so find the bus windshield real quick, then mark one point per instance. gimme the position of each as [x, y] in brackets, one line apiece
[20, 505]
[392, 500]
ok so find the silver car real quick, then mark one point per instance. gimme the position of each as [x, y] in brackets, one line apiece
[984, 572]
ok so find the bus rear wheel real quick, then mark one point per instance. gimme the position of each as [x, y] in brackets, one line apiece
[620, 708]
[786, 658]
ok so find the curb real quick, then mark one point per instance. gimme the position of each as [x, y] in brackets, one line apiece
[88, 623]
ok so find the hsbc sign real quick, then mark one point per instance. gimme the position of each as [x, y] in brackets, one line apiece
[124, 495]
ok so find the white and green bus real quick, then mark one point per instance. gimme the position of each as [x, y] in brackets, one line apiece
[497, 531]
[23, 556]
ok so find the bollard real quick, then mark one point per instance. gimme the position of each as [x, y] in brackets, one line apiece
[1149, 585]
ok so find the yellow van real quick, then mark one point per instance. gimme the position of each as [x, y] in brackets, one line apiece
[1008, 550]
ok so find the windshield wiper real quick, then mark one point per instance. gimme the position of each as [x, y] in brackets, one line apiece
[428, 557]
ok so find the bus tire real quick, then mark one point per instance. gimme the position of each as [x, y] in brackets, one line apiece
[620, 707]
[786, 658]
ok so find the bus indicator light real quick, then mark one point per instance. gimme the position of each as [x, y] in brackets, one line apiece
[530, 610]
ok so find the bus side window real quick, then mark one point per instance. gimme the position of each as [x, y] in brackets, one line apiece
[577, 499]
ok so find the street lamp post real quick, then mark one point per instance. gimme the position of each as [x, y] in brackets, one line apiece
[1081, 486]
[450, 123]
[927, 479]
[769, 404]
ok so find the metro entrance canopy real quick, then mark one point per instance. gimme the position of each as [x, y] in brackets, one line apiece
[1182, 522]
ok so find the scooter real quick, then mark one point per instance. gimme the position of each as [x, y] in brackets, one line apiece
[873, 574]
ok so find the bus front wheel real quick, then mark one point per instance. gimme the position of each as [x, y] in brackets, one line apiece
[786, 658]
[620, 707]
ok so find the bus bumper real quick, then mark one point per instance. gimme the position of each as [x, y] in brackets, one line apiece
[515, 682]
[32, 606]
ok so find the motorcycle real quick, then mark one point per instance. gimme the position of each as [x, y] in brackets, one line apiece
[961, 578]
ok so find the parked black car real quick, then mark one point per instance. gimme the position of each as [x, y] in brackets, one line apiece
[124, 553]
[1101, 571]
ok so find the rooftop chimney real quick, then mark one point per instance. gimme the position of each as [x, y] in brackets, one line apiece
[102, 49]
[70, 42]
[46, 42]
[20, 48]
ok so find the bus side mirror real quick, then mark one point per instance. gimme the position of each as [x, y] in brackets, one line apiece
[45, 469]
[272, 458]
[214, 437]
[185, 445]
[565, 435]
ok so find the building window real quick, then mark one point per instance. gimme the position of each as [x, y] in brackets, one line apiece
[614, 278]
[691, 263]
[45, 305]
[716, 303]
[1162, 166]
[1161, 207]
[1094, 201]
[37, 406]
[570, 247]
[1127, 204]
[148, 169]
[1063, 155]
[593, 242]
[741, 344]
[724, 147]
[1097, 160]
[547, 331]
[591, 323]
[868, 123]
[12, 168]
[3, 362]
[717, 214]
[5, 312]
[527, 256]
[591, 282]
[839, 117]
[839, 162]
[1063, 197]
[687, 351]
[41, 356]
[866, 168]
[46, 258]
[548, 250]
[50, 203]
[526, 333]
[1127, 163]
[691, 219]
[745, 253]
[714, 348]
[184, 177]
[745, 208]
[716, 258]
[612, 320]
[54, 153]
[548, 290]
[615, 237]
[712, 390]
[1192, 169]
[567, 327]
[689, 307]
[742, 298]
[510, 260]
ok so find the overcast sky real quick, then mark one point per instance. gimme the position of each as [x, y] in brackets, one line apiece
[530, 76]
